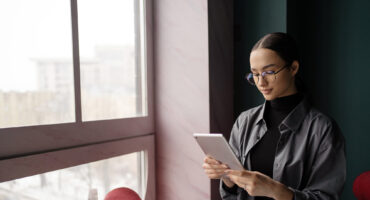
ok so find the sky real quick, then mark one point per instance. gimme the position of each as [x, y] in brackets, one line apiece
[42, 29]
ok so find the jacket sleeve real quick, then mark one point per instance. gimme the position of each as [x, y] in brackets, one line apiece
[328, 172]
[234, 142]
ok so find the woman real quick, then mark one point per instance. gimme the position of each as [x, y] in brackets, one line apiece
[289, 149]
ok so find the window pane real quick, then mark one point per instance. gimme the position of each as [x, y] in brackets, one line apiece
[36, 72]
[112, 70]
[80, 182]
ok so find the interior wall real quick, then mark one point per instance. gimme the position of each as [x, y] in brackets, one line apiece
[335, 46]
[181, 97]
[252, 20]
[221, 67]
[193, 54]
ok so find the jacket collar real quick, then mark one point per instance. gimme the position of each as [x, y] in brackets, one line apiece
[259, 118]
[294, 118]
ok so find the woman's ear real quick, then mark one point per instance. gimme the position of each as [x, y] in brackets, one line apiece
[294, 67]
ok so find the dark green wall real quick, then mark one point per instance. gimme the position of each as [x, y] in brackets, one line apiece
[334, 39]
[252, 19]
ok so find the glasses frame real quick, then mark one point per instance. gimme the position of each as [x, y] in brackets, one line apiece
[263, 74]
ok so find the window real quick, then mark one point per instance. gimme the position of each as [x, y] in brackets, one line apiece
[37, 84]
[36, 71]
[112, 74]
[134, 170]
[92, 180]
[75, 74]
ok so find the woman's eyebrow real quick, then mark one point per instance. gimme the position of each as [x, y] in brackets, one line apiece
[264, 67]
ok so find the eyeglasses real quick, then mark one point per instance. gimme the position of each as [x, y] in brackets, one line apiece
[268, 76]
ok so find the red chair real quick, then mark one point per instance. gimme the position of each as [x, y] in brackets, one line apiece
[122, 194]
[361, 186]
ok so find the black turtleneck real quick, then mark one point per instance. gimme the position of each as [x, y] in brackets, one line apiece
[263, 153]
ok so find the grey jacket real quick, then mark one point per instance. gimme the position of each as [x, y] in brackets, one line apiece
[310, 154]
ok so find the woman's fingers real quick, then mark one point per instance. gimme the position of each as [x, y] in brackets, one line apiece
[239, 172]
[255, 183]
[214, 174]
[237, 180]
[213, 168]
[210, 160]
[216, 166]
[240, 177]
[214, 171]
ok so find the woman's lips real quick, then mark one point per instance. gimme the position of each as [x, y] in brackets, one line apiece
[266, 91]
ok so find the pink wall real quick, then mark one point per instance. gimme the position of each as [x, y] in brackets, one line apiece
[181, 97]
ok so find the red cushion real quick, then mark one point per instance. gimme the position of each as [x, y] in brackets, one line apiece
[361, 186]
[122, 194]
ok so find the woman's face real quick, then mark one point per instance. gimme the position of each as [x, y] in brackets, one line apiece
[282, 84]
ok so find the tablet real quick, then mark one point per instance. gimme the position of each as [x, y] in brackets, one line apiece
[216, 146]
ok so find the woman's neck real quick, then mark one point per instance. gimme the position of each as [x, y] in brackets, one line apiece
[286, 102]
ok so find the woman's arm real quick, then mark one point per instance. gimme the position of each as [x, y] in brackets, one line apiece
[328, 172]
[258, 184]
[228, 189]
[228, 182]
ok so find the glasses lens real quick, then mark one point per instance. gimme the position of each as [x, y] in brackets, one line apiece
[250, 79]
[269, 76]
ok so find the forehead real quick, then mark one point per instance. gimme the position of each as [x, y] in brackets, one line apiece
[262, 57]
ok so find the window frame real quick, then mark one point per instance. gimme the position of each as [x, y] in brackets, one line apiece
[46, 162]
[20, 141]
[28, 150]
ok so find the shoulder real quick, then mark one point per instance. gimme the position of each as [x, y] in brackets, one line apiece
[323, 127]
[319, 118]
[314, 117]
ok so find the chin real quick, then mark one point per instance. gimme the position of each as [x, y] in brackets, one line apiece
[269, 97]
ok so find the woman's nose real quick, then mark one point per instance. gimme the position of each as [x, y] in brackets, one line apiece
[262, 81]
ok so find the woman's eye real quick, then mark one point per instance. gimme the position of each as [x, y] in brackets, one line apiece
[256, 74]
[270, 72]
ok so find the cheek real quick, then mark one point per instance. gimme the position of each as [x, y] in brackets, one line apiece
[282, 83]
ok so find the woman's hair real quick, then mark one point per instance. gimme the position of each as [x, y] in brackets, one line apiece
[285, 46]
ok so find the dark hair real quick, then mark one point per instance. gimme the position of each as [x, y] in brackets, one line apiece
[285, 46]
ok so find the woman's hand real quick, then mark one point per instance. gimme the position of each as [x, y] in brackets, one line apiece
[213, 168]
[258, 184]
[216, 170]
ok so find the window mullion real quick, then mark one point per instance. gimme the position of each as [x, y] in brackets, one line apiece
[76, 61]
[138, 65]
